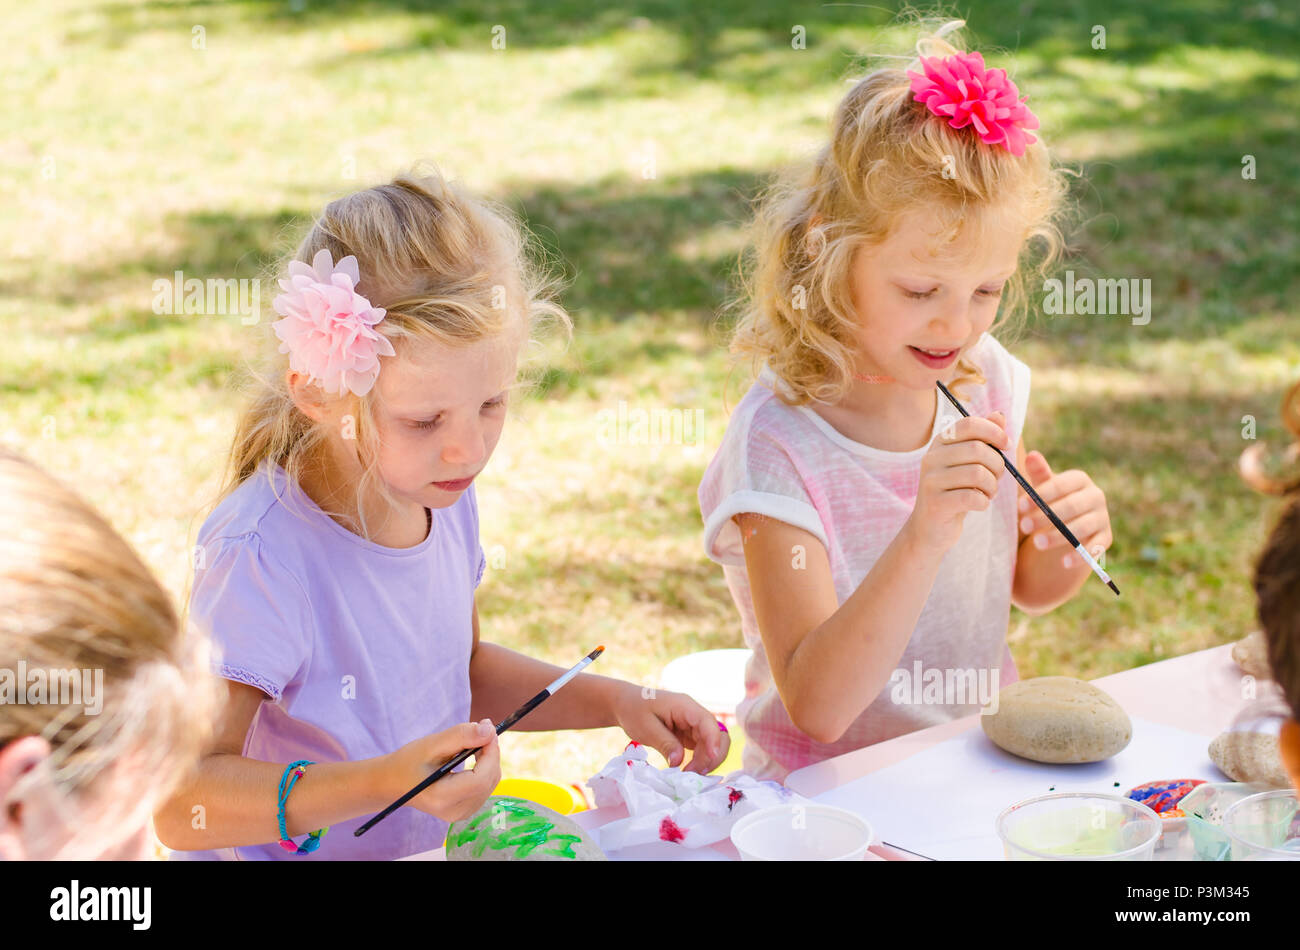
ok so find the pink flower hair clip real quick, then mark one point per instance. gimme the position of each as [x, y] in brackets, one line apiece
[328, 328]
[960, 89]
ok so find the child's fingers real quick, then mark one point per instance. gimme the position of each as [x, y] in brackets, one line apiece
[467, 735]
[658, 737]
[1036, 468]
[708, 741]
[975, 428]
[968, 453]
[974, 476]
[1056, 487]
[1072, 506]
[1085, 526]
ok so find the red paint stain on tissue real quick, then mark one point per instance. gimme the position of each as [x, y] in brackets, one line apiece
[733, 796]
[668, 831]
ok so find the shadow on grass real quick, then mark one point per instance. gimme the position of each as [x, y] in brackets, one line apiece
[1135, 32]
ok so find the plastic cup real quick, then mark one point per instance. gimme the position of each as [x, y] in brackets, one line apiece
[1205, 806]
[1263, 827]
[802, 832]
[1079, 826]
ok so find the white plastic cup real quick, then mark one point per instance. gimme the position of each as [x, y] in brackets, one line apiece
[1263, 827]
[802, 832]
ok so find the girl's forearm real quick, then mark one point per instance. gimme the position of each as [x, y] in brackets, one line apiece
[502, 680]
[841, 666]
[1042, 582]
[232, 802]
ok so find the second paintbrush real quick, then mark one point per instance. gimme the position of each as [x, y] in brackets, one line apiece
[1051, 515]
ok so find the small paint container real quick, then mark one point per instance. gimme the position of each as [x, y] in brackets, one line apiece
[1263, 827]
[802, 832]
[1205, 806]
[1079, 826]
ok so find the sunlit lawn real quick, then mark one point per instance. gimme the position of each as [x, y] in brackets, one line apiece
[632, 141]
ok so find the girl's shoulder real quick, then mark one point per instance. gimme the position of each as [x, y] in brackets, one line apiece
[762, 418]
[254, 508]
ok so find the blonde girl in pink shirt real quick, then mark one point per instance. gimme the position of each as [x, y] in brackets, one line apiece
[870, 537]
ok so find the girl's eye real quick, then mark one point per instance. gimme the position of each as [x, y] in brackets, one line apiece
[997, 292]
[495, 403]
[918, 296]
[427, 423]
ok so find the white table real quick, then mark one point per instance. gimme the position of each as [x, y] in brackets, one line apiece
[1200, 692]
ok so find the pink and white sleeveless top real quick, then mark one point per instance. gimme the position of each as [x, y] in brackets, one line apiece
[790, 464]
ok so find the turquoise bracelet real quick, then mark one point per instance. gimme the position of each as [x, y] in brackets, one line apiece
[288, 780]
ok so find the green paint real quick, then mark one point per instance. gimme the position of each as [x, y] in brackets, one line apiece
[528, 832]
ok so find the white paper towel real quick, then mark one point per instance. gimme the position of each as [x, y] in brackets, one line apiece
[675, 806]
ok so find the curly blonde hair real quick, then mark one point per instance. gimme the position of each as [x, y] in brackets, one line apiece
[450, 268]
[887, 155]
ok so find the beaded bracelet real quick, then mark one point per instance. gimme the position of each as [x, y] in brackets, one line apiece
[292, 773]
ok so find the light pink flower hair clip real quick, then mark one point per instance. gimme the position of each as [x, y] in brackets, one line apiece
[959, 89]
[328, 328]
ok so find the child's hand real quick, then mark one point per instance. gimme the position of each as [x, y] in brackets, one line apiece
[453, 796]
[1079, 503]
[959, 473]
[668, 721]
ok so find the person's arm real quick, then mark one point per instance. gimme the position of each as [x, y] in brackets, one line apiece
[1047, 577]
[829, 661]
[231, 801]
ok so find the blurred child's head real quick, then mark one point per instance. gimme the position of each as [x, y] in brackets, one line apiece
[1277, 578]
[901, 232]
[102, 707]
[461, 298]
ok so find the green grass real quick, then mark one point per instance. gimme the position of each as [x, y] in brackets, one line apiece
[128, 154]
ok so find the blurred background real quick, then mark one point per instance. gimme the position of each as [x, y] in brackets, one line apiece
[144, 138]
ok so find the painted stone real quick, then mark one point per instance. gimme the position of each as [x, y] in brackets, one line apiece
[514, 829]
[1058, 719]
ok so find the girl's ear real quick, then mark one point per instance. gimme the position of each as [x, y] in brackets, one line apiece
[311, 400]
[17, 758]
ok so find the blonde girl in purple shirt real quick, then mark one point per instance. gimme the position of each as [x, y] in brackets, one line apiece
[337, 573]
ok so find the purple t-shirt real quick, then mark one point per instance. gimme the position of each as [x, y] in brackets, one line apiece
[359, 648]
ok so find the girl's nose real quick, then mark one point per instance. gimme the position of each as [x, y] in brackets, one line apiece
[954, 322]
[466, 447]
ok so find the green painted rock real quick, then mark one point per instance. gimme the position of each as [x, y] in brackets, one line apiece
[1058, 719]
[514, 829]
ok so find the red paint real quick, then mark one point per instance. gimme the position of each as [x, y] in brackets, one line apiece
[733, 796]
[668, 831]
[631, 744]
